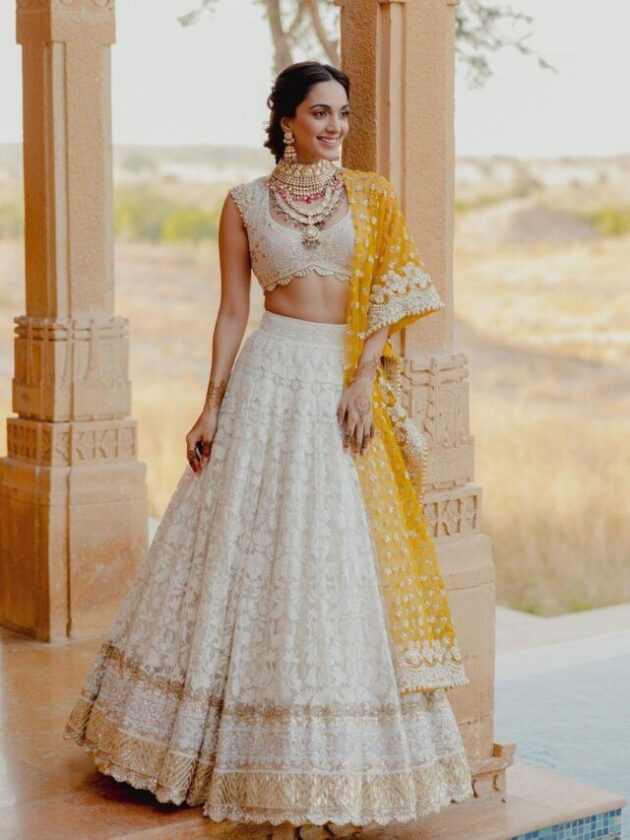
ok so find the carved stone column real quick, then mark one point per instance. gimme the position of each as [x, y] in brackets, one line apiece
[73, 505]
[399, 55]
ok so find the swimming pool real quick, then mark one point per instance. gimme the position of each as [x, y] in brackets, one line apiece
[567, 707]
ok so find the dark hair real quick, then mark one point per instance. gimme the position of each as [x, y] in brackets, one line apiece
[289, 89]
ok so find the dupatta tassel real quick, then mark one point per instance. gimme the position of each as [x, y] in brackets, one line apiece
[414, 443]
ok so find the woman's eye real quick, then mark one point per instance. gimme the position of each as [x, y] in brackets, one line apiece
[318, 114]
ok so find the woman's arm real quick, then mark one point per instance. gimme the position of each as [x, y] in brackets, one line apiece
[355, 408]
[229, 327]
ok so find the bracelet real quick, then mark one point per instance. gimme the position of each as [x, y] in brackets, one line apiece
[214, 393]
[366, 369]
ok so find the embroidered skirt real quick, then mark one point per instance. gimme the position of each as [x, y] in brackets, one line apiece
[248, 670]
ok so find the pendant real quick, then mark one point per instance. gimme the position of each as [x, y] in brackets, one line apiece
[311, 234]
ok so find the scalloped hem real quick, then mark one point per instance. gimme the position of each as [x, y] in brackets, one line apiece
[218, 814]
[137, 780]
[232, 813]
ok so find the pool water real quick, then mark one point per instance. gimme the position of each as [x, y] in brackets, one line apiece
[573, 719]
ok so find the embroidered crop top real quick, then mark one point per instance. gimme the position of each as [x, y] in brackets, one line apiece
[277, 252]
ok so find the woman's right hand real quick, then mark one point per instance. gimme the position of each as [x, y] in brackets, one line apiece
[199, 439]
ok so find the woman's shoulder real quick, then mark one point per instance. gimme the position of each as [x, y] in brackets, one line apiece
[248, 196]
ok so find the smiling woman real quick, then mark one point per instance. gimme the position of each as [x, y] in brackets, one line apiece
[285, 650]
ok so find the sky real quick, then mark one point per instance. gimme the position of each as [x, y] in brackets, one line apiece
[208, 83]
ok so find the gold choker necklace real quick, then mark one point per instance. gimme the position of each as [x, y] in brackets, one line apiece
[304, 179]
[292, 184]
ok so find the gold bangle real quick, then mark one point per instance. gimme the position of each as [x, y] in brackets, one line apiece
[214, 393]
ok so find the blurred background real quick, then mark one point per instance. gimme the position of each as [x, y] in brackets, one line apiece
[542, 250]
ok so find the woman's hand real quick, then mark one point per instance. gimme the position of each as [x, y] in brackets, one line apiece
[355, 410]
[199, 439]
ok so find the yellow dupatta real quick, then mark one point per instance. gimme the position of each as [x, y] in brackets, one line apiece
[390, 285]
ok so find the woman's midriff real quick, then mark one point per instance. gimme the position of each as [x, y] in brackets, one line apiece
[314, 297]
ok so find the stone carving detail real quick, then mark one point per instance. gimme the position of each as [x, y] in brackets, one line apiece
[72, 369]
[454, 514]
[65, 444]
[489, 778]
[83, 350]
[436, 396]
[435, 393]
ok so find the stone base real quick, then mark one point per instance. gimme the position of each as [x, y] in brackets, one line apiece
[71, 540]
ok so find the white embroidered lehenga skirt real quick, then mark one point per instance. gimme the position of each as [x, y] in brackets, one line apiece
[248, 670]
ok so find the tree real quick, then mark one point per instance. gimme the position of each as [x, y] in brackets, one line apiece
[310, 27]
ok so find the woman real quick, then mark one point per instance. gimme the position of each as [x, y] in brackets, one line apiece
[284, 652]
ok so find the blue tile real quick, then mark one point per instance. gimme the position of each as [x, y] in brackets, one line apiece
[606, 826]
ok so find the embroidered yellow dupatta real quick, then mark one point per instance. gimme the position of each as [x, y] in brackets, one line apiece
[390, 286]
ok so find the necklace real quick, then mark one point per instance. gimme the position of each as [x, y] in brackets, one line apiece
[293, 183]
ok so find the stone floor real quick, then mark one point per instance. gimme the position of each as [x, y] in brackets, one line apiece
[49, 788]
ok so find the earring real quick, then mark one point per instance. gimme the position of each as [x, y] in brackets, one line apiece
[289, 148]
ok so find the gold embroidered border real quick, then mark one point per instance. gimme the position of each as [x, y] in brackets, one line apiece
[300, 798]
[256, 795]
[128, 669]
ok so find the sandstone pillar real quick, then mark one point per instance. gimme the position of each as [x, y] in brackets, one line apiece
[399, 55]
[73, 510]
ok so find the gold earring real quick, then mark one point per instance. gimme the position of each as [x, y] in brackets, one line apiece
[289, 148]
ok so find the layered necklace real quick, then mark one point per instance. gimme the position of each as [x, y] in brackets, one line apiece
[294, 186]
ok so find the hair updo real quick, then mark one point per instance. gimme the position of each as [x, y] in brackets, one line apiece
[289, 89]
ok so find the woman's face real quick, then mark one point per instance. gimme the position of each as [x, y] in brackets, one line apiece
[320, 123]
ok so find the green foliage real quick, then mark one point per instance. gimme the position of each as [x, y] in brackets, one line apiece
[611, 221]
[141, 212]
[11, 221]
[531, 607]
[190, 224]
[580, 604]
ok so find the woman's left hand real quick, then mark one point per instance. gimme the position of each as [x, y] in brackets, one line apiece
[355, 412]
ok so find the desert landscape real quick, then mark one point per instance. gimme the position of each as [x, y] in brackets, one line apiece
[542, 303]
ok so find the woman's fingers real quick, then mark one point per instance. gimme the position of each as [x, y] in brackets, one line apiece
[192, 451]
[351, 425]
[341, 412]
[358, 436]
[356, 418]
[364, 433]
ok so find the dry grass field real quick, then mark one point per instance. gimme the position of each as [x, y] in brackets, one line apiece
[543, 313]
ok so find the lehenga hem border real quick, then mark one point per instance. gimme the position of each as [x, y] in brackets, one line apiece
[461, 791]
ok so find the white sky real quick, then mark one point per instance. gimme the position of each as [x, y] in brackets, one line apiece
[208, 83]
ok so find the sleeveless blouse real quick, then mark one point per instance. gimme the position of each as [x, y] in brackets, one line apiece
[278, 253]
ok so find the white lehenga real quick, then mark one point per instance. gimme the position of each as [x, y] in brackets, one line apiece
[248, 670]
